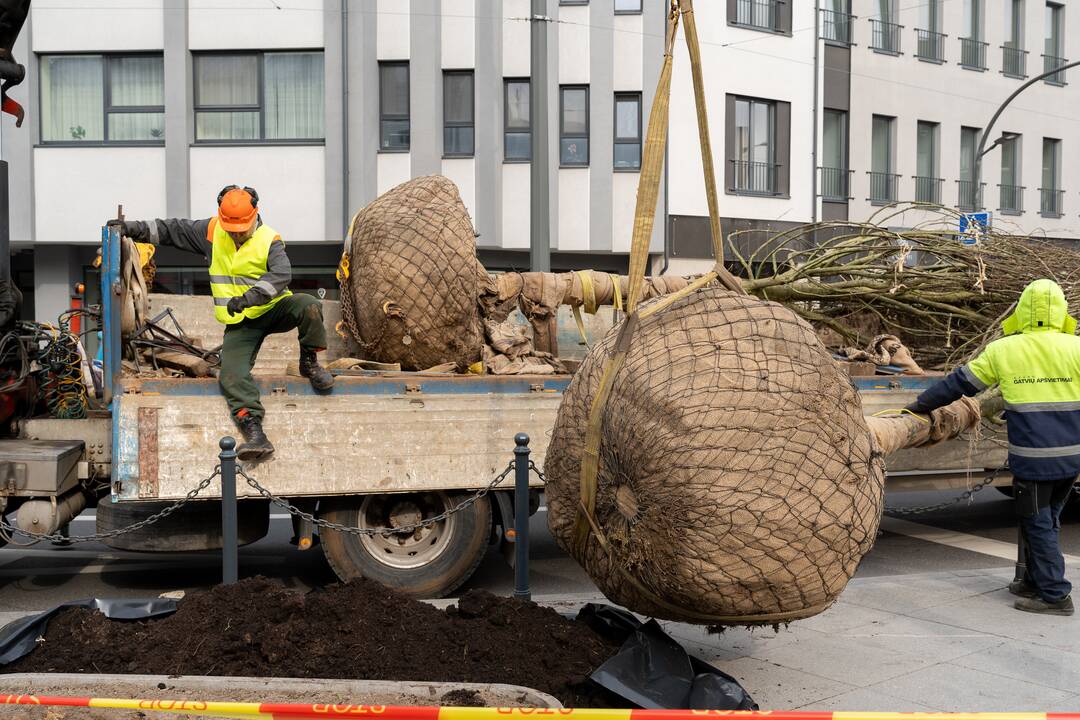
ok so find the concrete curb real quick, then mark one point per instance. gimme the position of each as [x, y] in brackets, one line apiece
[371, 692]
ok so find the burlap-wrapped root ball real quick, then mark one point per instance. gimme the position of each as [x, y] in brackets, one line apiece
[737, 482]
[411, 295]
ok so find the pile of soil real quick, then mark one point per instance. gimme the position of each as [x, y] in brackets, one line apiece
[360, 630]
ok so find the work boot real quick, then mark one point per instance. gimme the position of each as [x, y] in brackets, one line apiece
[320, 377]
[1038, 605]
[1023, 589]
[256, 445]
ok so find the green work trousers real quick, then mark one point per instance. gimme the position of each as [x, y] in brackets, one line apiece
[242, 341]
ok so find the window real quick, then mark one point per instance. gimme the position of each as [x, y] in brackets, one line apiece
[1012, 192]
[102, 98]
[1050, 204]
[394, 107]
[930, 15]
[766, 15]
[836, 22]
[458, 113]
[1054, 46]
[970, 187]
[927, 183]
[885, 32]
[573, 2]
[627, 7]
[627, 131]
[882, 178]
[248, 97]
[517, 132]
[972, 47]
[574, 125]
[834, 169]
[755, 146]
[1014, 58]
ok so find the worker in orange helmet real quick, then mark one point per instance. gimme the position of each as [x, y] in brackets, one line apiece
[249, 279]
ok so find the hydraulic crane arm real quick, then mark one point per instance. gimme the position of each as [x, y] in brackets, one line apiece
[12, 16]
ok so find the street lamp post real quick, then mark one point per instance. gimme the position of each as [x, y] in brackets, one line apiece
[977, 174]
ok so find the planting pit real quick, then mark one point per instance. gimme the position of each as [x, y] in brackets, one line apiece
[359, 630]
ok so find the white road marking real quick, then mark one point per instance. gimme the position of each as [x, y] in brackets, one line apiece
[958, 540]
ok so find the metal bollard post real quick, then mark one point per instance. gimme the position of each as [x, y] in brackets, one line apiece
[521, 517]
[230, 570]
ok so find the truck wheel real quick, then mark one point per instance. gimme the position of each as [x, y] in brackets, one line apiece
[430, 563]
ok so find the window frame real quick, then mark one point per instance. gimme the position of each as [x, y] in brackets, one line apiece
[407, 117]
[588, 126]
[772, 141]
[506, 114]
[634, 96]
[260, 91]
[783, 14]
[471, 74]
[640, 5]
[107, 107]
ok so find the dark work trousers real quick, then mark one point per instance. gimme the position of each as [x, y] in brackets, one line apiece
[242, 341]
[1039, 504]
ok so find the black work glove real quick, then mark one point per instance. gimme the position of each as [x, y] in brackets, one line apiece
[916, 408]
[236, 305]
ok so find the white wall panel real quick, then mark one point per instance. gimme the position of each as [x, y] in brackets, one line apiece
[255, 24]
[573, 209]
[463, 172]
[392, 33]
[628, 61]
[93, 181]
[97, 25]
[291, 182]
[516, 210]
[393, 169]
[573, 30]
[516, 38]
[459, 34]
[623, 203]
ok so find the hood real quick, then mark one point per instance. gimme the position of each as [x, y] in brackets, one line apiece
[1041, 308]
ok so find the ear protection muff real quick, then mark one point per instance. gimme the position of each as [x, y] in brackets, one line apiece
[249, 190]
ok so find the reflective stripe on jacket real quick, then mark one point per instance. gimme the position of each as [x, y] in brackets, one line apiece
[1037, 368]
[234, 270]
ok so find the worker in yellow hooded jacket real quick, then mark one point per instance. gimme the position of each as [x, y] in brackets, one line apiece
[1037, 367]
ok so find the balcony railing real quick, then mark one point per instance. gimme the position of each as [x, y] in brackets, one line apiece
[885, 36]
[928, 189]
[973, 54]
[883, 187]
[755, 178]
[930, 46]
[1051, 62]
[970, 195]
[1012, 199]
[835, 184]
[1014, 62]
[759, 14]
[836, 27]
[1051, 202]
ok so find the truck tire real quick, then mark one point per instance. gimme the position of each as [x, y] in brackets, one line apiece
[195, 526]
[430, 563]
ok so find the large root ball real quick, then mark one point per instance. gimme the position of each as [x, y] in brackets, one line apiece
[414, 283]
[737, 482]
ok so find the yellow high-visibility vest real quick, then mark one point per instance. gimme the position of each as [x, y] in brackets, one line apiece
[234, 270]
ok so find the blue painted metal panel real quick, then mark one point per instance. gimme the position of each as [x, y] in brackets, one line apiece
[879, 383]
[110, 309]
[397, 384]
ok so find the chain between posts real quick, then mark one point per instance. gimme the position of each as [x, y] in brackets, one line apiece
[966, 495]
[383, 531]
[8, 530]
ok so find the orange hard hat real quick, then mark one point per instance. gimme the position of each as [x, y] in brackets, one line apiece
[237, 209]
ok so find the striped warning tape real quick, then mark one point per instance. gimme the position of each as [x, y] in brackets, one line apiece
[272, 711]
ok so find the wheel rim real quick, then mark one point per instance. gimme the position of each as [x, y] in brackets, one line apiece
[403, 551]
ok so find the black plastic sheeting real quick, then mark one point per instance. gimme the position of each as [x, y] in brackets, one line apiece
[653, 671]
[20, 637]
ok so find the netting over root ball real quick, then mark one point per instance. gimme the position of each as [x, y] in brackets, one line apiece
[737, 482]
[411, 296]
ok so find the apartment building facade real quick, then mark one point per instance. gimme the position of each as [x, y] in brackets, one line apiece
[820, 112]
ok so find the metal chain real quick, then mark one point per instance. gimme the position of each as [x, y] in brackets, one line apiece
[966, 495]
[7, 530]
[383, 531]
